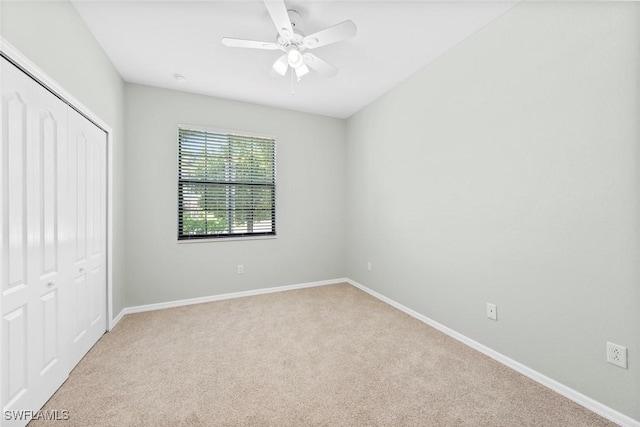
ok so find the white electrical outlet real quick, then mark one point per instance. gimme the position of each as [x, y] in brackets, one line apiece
[369, 266]
[240, 269]
[617, 355]
[492, 311]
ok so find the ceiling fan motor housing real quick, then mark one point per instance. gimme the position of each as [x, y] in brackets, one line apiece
[298, 36]
[294, 17]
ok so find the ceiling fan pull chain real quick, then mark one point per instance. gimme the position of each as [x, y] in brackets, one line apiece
[293, 90]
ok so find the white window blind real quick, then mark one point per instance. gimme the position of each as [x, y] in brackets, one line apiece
[226, 185]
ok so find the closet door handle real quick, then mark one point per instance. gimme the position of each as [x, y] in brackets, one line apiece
[81, 269]
[51, 283]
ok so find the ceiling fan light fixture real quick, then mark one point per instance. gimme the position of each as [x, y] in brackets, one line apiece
[294, 57]
[301, 71]
[281, 66]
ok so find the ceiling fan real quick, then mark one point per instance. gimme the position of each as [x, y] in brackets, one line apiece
[295, 44]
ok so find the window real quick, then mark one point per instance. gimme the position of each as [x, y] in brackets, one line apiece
[226, 185]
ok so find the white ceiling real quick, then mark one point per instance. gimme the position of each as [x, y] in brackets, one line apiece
[148, 42]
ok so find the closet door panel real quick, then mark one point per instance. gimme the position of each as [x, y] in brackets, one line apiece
[49, 134]
[87, 160]
[33, 328]
[48, 126]
[77, 225]
[15, 386]
[96, 242]
[14, 287]
[14, 185]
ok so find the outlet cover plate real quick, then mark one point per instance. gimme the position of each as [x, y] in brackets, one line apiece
[617, 355]
[492, 311]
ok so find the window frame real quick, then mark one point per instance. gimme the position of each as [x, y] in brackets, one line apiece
[198, 238]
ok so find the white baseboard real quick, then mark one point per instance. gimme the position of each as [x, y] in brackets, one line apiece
[113, 322]
[589, 403]
[211, 298]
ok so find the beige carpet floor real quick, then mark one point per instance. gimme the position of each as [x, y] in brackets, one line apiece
[325, 356]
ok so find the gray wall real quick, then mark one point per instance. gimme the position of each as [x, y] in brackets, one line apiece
[309, 191]
[507, 172]
[54, 37]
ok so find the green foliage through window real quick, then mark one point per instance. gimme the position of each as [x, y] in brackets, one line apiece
[226, 184]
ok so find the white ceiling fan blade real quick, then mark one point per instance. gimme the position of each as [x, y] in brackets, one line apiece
[319, 65]
[336, 33]
[280, 18]
[253, 44]
[301, 71]
[281, 65]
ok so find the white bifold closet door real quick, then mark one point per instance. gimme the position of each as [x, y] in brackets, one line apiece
[53, 231]
[86, 188]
